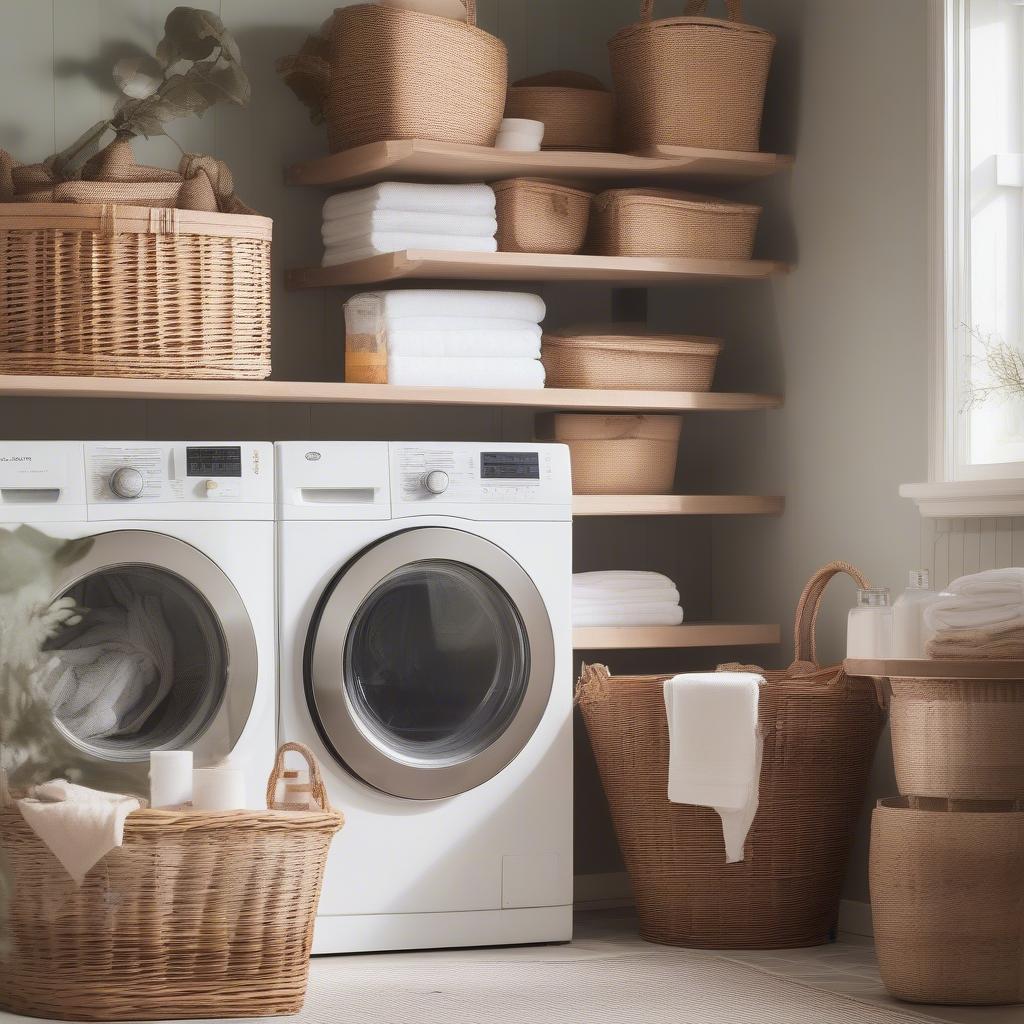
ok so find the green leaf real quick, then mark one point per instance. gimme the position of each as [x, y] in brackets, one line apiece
[218, 81]
[193, 34]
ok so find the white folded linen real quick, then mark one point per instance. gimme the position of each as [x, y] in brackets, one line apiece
[662, 614]
[415, 198]
[462, 323]
[716, 748]
[407, 222]
[983, 600]
[419, 371]
[614, 580]
[454, 302]
[79, 826]
[387, 241]
[483, 344]
[626, 598]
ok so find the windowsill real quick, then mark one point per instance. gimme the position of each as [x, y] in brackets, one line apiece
[964, 499]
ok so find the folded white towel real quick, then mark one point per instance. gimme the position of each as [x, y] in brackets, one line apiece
[982, 600]
[452, 302]
[616, 580]
[404, 222]
[418, 371]
[661, 614]
[462, 323]
[715, 748]
[446, 344]
[387, 241]
[80, 826]
[626, 598]
[400, 195]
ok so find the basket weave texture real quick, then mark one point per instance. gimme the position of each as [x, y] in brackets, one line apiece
[541, 216]
[578, 112]
[691, 81]
[197, 915]
[821, 728]
[400, 74]
[663, 222]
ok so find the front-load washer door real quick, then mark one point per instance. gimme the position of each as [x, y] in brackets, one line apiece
[164, 657]
[429, 663]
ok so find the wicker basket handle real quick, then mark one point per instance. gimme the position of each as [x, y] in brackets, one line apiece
[695, 8]
[316, 781]
[804, 638]
[470, 6]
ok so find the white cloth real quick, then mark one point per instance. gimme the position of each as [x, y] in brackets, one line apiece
[407, 222]
[663, 614]
[716, 748]
[455, 302]
[417, 371]
[79, 826]
[616, 581]
[462, 323]
[378, 242]
[400, 195]
[484, 344]
[983, 600]
[628, 599]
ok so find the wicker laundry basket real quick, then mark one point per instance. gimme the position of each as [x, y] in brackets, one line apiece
[541, 216]
[691, 81]
[617, 454]
[947, 898]
[198, 914]
[821, 729]
[401, 74]
[663, 222]
[129, 291]
[577, 110]
[628, 357]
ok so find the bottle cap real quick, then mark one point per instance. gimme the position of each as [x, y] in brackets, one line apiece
[873, 597]
[920, 579]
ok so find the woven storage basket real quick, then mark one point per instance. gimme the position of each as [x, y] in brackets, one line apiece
[198, 914]
[947, 898]
[628, 358]
[617, 454]
[577, 110]
[662, 222]
[691, 81]
[541, 216]
[821, 728]
[399, 74]
[127, 291]
[961, 738]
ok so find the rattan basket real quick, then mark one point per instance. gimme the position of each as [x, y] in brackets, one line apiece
[129, 291]
[691, 81]
[622, 356]
[821, 728]
[663, 222]
[577, 110]
[541, 216]
[401, 74]
[947, 898]
[198, 914]
[617, 454]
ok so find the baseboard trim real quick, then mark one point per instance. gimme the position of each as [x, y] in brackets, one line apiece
[602, 892]
[855, 918]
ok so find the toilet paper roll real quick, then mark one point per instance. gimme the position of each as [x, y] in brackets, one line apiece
[218, 789]
[170, 778]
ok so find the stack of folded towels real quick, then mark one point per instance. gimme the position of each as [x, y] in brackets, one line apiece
[445, 338]
[394, 216]
[622, 598]
[979, 616]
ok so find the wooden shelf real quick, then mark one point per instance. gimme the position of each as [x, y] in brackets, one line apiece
[518, 266]
[421, 160]
[967, 669]
[328, 392]
[676, 505]
[693, 634]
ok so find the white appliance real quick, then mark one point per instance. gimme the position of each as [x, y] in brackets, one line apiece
[182, 550]
[424, 609]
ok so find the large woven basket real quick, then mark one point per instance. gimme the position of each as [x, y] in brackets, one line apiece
[400, 74]
[578, 112]
[663, 222]
[947, 898]
[821, 729]
[627, 357]
[129, 291]
[541, 216]
[691, 81]
[198, 914]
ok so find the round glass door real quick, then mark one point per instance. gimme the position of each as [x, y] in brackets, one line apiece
[430, 663]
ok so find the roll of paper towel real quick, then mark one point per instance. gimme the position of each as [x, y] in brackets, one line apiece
[218, 789]
[170, 778]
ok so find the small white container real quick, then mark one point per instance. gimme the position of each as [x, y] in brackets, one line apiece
[170, 778]
[869, 627]
[910, 635]
[520, 134]
[218, 789]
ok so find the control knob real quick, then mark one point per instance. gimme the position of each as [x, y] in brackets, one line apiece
[436, 481]
[127, 482]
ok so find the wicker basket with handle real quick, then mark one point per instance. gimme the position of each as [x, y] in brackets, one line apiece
[198, 914]
[820, 727]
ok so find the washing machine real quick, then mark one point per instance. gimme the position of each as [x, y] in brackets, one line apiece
[176, 647]
[425, 640]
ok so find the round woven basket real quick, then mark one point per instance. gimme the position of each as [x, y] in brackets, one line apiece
[401, 74]
[947, 898]
[577, 110]
[541, 216]
[617, 357]
[197, 914]
[691, 81]
[130, 291]
[663, 222]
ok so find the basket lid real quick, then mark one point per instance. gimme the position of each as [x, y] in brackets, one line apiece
[631, 338]
[673, 198]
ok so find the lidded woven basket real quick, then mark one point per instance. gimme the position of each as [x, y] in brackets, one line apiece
[578, 112]
[535, 215]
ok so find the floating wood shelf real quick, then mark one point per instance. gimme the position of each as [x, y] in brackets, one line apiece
[693, 634]
[676, 505]
[421, 160]
[327, 392]
[518, 266]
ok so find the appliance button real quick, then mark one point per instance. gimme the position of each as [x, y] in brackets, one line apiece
[127, 482]
[436, 481]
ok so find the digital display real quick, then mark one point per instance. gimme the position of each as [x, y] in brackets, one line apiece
[509, 466]
[213, 461]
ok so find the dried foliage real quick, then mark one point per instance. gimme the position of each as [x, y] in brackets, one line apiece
[307, 73]
[1002, 370]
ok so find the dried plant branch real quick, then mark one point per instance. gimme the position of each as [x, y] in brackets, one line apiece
[1003, 368]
